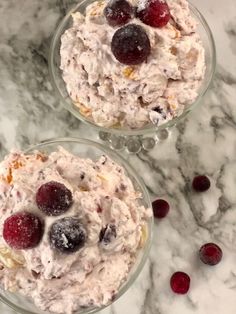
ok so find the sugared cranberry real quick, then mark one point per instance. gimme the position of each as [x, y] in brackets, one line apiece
[130, 44]
[22, 230]
[118, 12]
[160, 208]
[180, 282]
[67, 235]
[210, 254]
[201, 183]
[156, 13]
[107, 234]
[53, 198]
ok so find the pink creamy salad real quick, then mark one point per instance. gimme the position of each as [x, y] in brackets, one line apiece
[113, 94]
[111, 230]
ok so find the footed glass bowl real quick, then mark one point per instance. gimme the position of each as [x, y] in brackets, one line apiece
[88, 149]
[120, 137]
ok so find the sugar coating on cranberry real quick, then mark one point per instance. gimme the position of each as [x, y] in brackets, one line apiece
[201, 183]
[53, 198]
[210, 254]
[118, 12]
[160, 208]
[155, 13]
[130, 44]
[180, 282]
[67, 235]
[22, 230]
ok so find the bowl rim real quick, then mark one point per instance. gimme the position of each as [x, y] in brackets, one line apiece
[150, 224]
[146, 129]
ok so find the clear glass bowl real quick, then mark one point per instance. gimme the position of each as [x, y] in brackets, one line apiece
[60, 88]
[88, 149]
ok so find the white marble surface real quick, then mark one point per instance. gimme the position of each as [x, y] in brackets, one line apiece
[204, 143]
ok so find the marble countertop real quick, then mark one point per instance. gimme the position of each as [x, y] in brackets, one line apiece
[205, 143]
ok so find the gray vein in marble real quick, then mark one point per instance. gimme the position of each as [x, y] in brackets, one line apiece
[230, 30]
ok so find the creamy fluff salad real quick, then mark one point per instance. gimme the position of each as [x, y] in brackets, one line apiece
[70, 229]
[127, 64]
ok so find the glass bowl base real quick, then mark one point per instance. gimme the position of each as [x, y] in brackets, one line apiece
[134, 144]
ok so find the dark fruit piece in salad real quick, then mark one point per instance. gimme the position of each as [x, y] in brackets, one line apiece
[108, 234]
[156, 13]
[22, 230]
[67, 235]
[53, 198]
[118, 12]
[130, 44]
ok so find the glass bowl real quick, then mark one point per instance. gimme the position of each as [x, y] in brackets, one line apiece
[60, 87]
[88, 149]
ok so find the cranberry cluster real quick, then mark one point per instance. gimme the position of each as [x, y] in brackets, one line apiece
[130, 44]
[210, 253]
[24, 230]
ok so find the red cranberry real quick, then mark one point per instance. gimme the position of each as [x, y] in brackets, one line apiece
[118, 12]
[22, 230]
[180, 282]
[156, 13]
[201, 183]
[130, 44]
[210, 254]
[160, 208]
[53, 198]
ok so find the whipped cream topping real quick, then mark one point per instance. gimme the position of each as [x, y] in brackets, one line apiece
[112, 94]
[102, 196]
